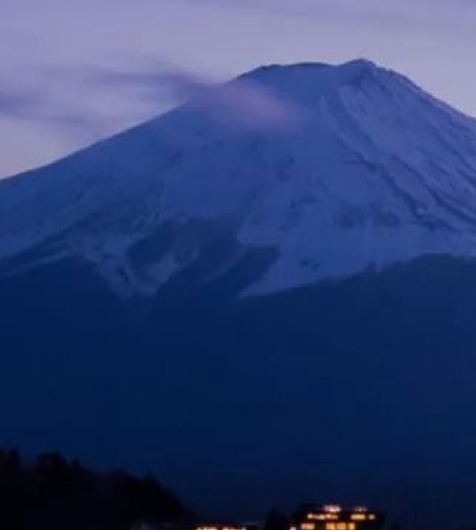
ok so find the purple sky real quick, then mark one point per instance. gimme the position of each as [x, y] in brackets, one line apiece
[53, 99]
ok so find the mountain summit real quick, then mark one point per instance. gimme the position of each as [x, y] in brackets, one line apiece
[363, 169]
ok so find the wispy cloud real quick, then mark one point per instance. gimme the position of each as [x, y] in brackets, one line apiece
[429, 40]
[18, 103]
[239, 103]
[36, 105]
[401, 13]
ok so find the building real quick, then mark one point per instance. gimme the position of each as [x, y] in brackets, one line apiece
[219, 526]
[334, 517]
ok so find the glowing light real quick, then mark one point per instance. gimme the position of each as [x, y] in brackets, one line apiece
[358, 517]
[332, 508]
[308, 526]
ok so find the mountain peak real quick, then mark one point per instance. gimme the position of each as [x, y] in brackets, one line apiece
[357, 68]
[360, 64]
[356, 65]
[301, 82]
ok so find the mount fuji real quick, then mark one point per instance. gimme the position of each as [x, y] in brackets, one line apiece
[369, 172]
[265, 295]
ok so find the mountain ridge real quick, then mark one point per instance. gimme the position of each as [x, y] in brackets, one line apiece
[349, 387]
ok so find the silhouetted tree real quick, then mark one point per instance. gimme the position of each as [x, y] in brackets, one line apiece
[275, 520]
[56, 494]
[11, 485]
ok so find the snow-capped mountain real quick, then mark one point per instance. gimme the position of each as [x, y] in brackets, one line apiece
[369, 171]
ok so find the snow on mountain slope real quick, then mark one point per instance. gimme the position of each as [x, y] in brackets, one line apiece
[374, 171]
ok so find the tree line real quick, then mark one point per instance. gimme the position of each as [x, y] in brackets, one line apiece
[55, 493]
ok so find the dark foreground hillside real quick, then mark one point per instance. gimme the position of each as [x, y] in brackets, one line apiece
[55, 494]
[360, 388]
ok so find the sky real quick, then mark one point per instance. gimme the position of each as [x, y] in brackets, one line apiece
[55, 97]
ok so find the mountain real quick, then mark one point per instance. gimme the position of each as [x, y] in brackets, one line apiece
[373, 172]
[263, 306]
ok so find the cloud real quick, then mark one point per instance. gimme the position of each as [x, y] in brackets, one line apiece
[37, 106]
[239, 103]
[19, 103]
[459, 15]
[249, 105]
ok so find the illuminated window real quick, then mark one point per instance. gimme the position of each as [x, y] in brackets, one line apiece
[372, 517]
[317, 516]
[358, 517]
[308, 526]
[351, 526]
[341, 526]
[330, 526]
[332, 508]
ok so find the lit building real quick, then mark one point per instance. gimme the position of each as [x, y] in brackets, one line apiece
[219, 526]
[334, 517]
